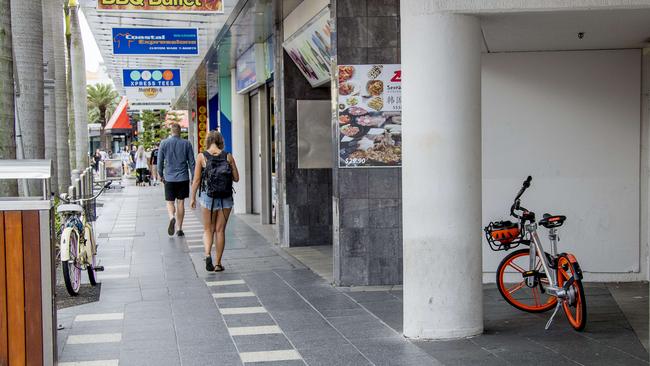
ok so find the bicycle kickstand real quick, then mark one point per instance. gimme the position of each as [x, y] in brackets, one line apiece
[557, 307]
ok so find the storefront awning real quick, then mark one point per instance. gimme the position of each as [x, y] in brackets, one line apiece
[119, 122]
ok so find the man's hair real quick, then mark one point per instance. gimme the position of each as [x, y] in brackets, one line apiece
[176, 129]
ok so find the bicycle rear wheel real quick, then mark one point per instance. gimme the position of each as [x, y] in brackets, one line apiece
[512, 284]
[71, 270]
[575, 306]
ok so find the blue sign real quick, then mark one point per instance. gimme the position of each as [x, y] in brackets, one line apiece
[155, 41]
[151, 77]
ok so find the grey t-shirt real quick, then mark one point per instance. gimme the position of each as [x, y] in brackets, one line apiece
[175, 159]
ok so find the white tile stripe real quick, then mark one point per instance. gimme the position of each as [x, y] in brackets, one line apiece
[267, 329]
[239, 311]
[225, 283]
[91, 363]
[96, 317]
[227, 295]
[94, 338]
[281, 355]
[195, 246]
[117, 266]
[112, 276]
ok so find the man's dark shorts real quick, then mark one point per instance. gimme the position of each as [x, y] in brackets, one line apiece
[177, 190]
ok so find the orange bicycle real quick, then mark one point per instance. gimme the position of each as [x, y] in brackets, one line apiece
[531, 279]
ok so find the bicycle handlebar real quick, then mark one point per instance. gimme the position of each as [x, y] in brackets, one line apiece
[516, 203]
[82, 200]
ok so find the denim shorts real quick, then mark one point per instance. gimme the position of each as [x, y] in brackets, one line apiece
[215, 203]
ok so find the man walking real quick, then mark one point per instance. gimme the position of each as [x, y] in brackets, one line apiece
[175, 161]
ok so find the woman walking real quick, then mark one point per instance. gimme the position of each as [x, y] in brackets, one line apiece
[214, 174]
[140, 165]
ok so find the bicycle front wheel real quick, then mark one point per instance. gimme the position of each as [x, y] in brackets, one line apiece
[575, 305]
[513, 284]
[71, 269]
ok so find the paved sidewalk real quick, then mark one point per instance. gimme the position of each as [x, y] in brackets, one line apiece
[158, 305]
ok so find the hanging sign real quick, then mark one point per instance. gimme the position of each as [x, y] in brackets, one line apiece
[370, 115]
[150, 93]
[151, 77]
[310, 49]
[183, 6]
[202, 107]
[155, 41]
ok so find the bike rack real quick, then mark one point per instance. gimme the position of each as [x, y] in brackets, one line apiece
[83, 187]
[27, 277]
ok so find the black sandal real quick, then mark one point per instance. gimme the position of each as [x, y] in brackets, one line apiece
[208, 264]
[218, 268]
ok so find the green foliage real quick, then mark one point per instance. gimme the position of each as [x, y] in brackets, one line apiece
[102, 101]
[154, 130]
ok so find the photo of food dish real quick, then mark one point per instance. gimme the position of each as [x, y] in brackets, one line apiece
[347, 88]
[345, 73]
[375, 87]
[344, 119]
[375, 71]
[349, 131]
[369, 120]
[352, 101]
[376, 103]
[357, 111]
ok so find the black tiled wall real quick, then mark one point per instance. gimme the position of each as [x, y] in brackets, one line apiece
[369, 199]
[308, 191]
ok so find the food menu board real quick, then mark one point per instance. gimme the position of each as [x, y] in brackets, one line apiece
[370, 115]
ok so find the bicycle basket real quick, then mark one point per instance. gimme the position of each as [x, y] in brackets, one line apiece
[503, 235]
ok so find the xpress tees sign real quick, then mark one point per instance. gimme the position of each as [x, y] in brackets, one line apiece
[155, 41]
[187, 6]
[151, 77]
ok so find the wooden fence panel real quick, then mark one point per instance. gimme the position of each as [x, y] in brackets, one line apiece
[33, 296]
[4, 351]
[15, 287]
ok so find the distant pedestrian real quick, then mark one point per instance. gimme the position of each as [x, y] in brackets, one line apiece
[96, 159]
[175, 161]
[214, 175]
[140, 165]
[125, 155]
[154, 164]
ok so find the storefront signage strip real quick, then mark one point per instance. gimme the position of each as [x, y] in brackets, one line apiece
[135, 78]
[155, 41]
[179, 6]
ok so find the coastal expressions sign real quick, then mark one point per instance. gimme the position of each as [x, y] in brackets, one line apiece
[135, 78]
[186, 6]
[155, 41]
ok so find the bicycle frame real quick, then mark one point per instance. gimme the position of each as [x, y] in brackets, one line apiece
[537, 249]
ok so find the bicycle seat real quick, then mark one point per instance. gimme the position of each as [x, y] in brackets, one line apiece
[551, 221]
[70, 207]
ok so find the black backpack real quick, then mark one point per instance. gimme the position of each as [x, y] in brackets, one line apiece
[216, 178]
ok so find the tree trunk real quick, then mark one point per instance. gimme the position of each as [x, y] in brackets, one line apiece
[27, 35]
[79, 96]
[8, 135]
[60, 87]
[50, 100]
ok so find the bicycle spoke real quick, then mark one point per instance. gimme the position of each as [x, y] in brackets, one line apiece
[517, 287]
[516, 267]
[536, 296]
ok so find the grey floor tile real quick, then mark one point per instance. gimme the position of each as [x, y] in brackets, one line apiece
[266, 342]
[334, 356]
[248, 320]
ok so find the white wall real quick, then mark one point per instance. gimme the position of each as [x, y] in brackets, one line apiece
[301, 15]
[240, 148]
[572, 121]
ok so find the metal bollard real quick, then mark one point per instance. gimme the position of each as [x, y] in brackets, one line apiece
[77, 188]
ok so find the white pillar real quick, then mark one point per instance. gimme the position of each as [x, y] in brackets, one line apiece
[441, 175]
[240, 146]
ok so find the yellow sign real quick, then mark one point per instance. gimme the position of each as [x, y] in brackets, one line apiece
[185, 6]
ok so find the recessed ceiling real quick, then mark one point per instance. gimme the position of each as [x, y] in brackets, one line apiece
[554, 31]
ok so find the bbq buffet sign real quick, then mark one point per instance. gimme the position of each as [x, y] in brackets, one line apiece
[182, 6]
[370, 115]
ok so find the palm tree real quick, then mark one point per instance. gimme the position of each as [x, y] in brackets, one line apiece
[8, 136]
[102, 99]
[27, 37]
[79, 99]
[60, 87]
[50, 100]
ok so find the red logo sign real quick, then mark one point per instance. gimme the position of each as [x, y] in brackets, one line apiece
[397, 78]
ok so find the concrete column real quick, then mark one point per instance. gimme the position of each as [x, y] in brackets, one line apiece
[240, 147]
[441, 175]
[645, 160]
